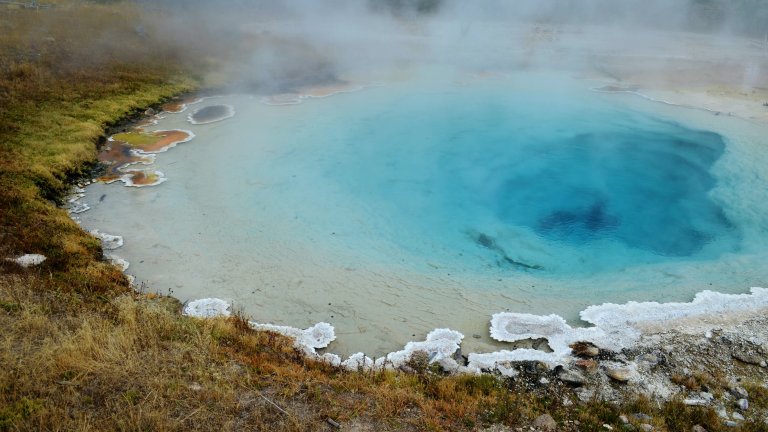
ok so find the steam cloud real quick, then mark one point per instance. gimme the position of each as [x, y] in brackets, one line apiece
[279, 45]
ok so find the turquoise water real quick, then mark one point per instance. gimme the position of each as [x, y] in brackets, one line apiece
[437, 201]
[523, 181]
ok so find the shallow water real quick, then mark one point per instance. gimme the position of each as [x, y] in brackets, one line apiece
[211, 114]
[434, 203]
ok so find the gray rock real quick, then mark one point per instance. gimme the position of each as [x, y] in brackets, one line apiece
[624, 419]
[698, 428]
[584, 394]
[545, 422]
[618, 374]
[738, 417]
[747, 356]
[739, 392]
[646, 427]
[731, 423]
[742, 404]
[651, 359]
[707, 396]
[696, 402]
[150, 112]
[573, 377]
[763, 364]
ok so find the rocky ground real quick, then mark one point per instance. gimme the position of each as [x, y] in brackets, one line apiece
[717, 363]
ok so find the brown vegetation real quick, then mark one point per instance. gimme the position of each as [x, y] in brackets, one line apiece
[115, 156]
[130, 362]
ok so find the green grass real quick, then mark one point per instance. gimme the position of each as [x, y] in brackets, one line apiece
[135, 138]
[53, 113]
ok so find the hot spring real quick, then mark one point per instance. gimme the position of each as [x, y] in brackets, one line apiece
[438, 200]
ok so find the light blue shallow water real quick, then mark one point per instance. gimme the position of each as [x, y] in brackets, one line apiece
[436, 202]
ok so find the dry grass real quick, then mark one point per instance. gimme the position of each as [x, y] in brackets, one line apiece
[74, 362]
[132, 362]
[127, 364]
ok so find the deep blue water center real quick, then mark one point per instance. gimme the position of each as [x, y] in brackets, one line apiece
[547, 181]
[645, 188]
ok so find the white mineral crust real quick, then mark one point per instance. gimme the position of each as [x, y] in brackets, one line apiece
[614, 327]
[207, 308]
[108, 241]
[28, 260]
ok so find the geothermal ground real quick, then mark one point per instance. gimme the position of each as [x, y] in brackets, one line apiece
[416, 299]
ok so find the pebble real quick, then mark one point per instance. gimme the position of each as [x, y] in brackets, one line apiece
[651, 359]
[738, 417]
[624, 419]
[619, 374]
[646, 427]
[587, 364]
[695, 402]
[572, 377]
[748, 357]
[698, 428]
[739, 392]
[731, 423]
[545, 422]
[721, 412]
[743, 404]
[585, 349]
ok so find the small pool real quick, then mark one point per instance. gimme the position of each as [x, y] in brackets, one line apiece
[437, 201]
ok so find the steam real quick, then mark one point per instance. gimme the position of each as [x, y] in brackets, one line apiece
[275, 46]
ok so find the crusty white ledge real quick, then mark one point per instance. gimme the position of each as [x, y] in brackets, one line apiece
[615, 327]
